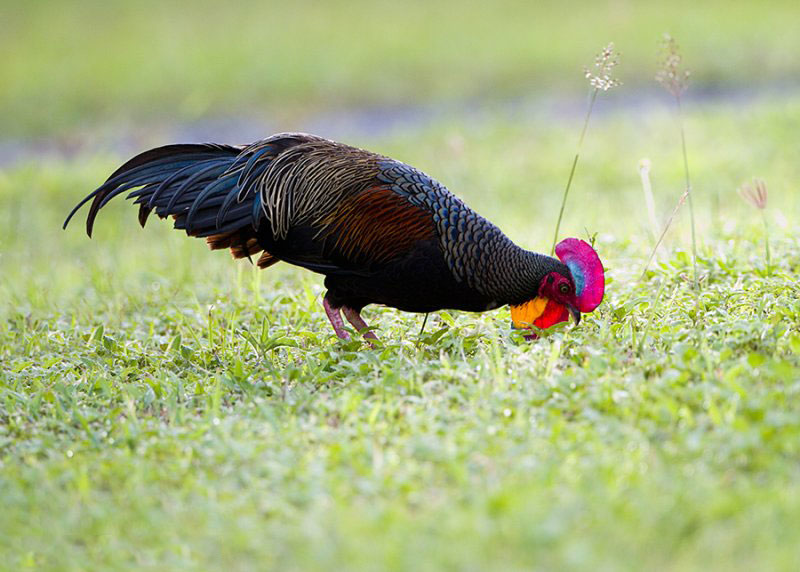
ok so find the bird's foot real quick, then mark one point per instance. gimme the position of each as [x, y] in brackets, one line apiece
[354, 317]
[336, 319]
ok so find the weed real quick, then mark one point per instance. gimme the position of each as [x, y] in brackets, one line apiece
[676, 80]
[600, 79]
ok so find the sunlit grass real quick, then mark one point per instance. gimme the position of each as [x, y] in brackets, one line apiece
[164, 406]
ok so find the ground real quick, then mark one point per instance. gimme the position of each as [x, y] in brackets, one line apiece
[166, 407]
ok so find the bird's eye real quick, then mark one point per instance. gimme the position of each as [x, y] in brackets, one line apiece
[564, 288]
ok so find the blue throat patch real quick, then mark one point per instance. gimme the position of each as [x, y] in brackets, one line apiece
[577, 276]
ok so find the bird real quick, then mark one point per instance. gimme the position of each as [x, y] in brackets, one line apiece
[379, 230]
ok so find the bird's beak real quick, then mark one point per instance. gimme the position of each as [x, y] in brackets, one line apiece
[576, 315]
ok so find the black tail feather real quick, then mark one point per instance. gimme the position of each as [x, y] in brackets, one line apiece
[210, 190]
[164, 185]
[206, 172]
[167, 179]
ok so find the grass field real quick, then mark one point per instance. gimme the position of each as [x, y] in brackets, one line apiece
[164, 407]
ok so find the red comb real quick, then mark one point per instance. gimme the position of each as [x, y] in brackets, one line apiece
[587, 271]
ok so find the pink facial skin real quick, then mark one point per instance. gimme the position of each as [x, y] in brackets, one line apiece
[587, 272]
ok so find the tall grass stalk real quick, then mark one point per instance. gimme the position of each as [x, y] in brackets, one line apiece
[688, 188]
[600, 79]
[675, 81]
[572, 170]
[664, 232]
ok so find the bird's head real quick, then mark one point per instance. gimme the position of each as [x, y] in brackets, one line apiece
[575, 285]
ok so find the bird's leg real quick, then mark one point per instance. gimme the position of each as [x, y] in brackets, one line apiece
[354, 317]
[336, 319]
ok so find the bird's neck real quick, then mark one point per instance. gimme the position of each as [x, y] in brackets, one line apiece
[508, 274]
[492, 264]
[523, 282]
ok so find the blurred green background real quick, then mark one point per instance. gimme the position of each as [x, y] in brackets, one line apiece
[69, 65]
[163, 407]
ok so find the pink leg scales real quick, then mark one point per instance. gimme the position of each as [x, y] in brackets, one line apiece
[336, 319]
[355, 319]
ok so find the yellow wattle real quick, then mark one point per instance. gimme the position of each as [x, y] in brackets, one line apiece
[524, 314]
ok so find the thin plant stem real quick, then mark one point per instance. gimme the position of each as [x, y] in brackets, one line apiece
[572, 170]
[664, 232]
[766, 242]
[422, 329]
[653, 308]
[688, 188]
[424, 321]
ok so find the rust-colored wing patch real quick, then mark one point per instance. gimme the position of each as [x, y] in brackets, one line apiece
[377, 225]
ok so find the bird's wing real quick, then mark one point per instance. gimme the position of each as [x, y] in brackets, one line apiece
[466, 239]
[331, 210]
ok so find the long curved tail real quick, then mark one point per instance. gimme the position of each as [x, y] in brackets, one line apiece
[172, 180]
[202, 186]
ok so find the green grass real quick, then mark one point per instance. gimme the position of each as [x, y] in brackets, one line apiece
[73, 64]
[163, 407]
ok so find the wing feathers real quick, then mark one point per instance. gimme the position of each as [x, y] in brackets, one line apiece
[377, 225]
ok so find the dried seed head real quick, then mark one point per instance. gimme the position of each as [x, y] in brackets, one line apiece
[755, 193]
[600, 76]
[669, 73]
